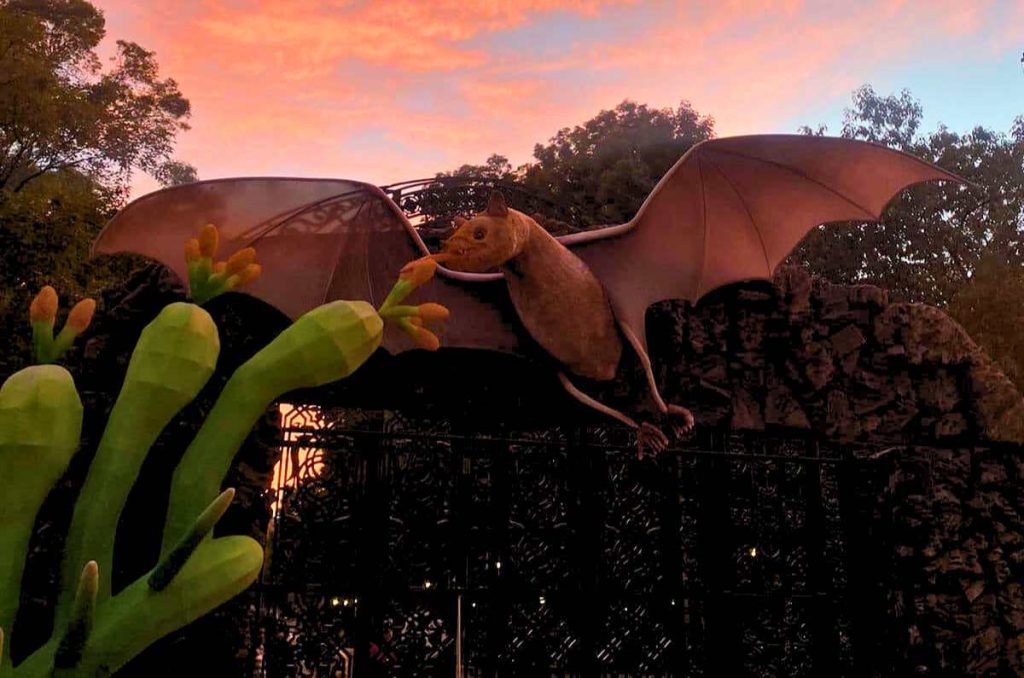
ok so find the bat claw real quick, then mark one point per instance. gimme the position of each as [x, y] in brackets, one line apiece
[650, 439]
[680, 428]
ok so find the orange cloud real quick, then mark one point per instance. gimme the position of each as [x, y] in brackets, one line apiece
[388, 90]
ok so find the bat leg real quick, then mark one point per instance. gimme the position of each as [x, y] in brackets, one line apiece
[579, 395]
[680, 419]
[649, 438]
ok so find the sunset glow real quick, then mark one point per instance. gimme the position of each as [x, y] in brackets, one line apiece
[384, 91]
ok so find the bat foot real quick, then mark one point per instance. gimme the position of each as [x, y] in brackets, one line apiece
[650, 440]
[680, 421]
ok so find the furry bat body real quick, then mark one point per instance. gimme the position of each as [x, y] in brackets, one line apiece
[731, 209]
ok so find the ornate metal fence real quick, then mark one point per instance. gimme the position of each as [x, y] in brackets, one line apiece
[431, 204]
[557, 552]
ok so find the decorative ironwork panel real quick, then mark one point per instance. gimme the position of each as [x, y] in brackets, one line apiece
[403, 546]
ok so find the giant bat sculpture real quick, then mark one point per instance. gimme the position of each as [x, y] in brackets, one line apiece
[730, 209]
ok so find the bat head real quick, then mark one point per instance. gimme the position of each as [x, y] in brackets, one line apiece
[488, 239]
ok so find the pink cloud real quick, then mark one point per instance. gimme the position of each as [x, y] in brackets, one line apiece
[295, 86]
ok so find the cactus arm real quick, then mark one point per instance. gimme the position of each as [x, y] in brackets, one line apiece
[324, 345]
[42, 314]
[40, 425]
[131, 621]
[42, 342]
[13, 547]
[174, 358]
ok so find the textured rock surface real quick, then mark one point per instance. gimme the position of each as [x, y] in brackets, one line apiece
[941, 578]
[839, 360]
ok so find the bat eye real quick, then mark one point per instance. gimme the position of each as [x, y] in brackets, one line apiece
[479, 234]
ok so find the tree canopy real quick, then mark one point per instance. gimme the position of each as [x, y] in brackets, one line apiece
[931, 237]
[72, 131]
[611, 162]
[61, 109]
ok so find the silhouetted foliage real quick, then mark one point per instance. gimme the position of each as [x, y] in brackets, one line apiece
[61, 109]
[931, 237]
[610, 163]
[71, 133]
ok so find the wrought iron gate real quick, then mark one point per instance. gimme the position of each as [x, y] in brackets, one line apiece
[557, 552]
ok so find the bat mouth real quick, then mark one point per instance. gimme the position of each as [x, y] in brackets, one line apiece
[457, 253]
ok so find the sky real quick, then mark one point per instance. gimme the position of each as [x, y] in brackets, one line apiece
[386, 91]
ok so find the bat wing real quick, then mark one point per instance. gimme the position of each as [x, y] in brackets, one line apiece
[732, 209]
[318, 240]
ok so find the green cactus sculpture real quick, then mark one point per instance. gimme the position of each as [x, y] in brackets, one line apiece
[97, 631]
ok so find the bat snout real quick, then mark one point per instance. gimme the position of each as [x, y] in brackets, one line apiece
[457, 253]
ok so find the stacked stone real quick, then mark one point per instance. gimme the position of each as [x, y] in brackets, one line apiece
[943, 579]
[952, 562]
[840, 360]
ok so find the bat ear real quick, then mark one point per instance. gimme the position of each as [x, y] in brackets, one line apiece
[459, 220]
[496, 206]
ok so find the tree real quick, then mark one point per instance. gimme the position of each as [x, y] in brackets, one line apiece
[60, 109]
[610, 163]
[931, 237]
[176, 173]
[496, 167]
[46, 230]
[991, 308]
[71, 132]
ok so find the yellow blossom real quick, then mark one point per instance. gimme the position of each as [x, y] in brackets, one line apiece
[238, 261]
[419, 271]
[44, 306]
[248, 274]
[431, 312]
[209, 240]
[424, 338]
[81, 315]
[192, 249]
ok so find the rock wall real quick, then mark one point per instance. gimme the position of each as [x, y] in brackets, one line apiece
[840, 361]
[939, 583]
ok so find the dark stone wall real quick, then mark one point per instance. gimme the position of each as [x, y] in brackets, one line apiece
[841, 361]
[941, 577]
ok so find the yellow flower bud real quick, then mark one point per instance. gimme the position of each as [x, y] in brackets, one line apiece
[425, 339]
[81, 315]
[192, 250]
[240, 259]
[431, 312]
[209, 240]
[249, 273]
[419, 271]
[44, 306]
